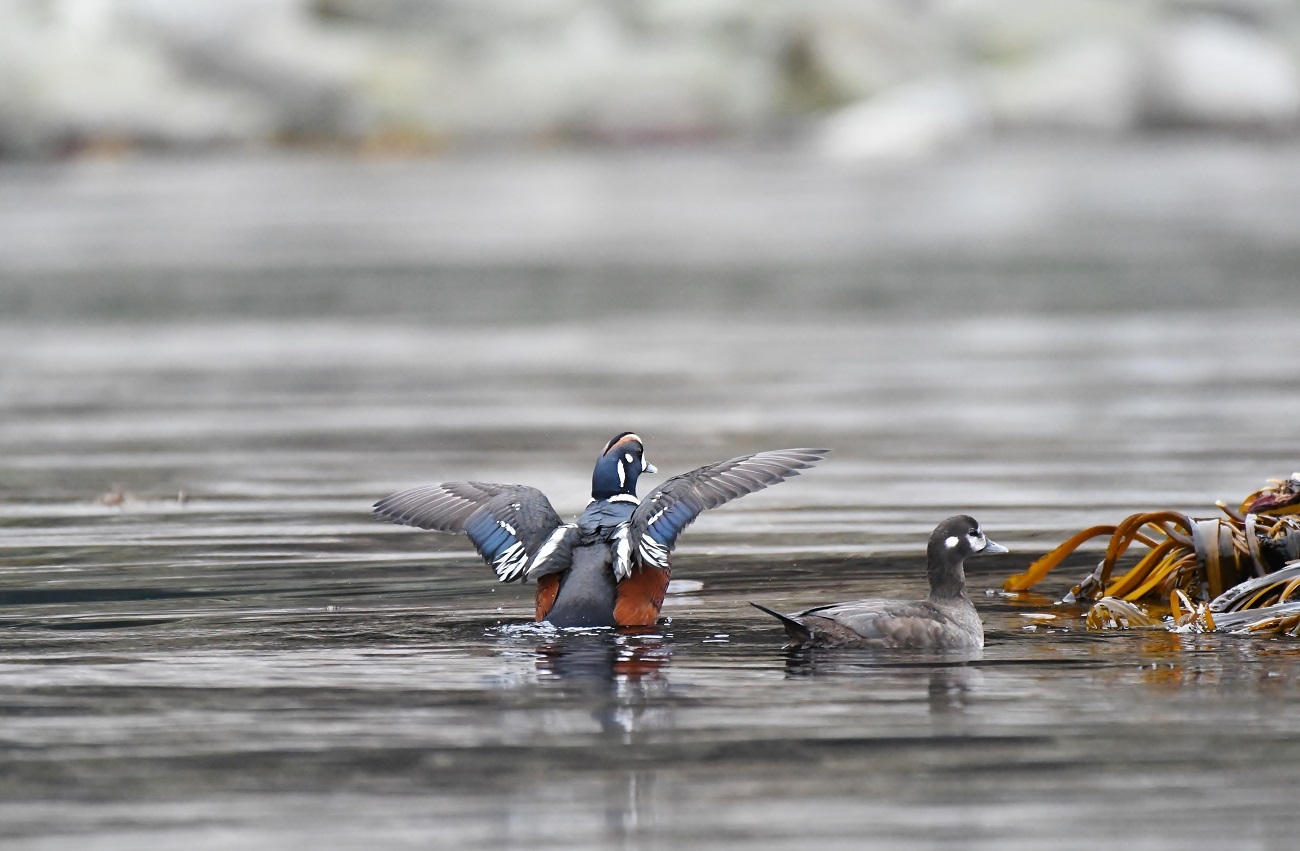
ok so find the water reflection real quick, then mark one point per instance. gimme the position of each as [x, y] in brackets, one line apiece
[808, 662]
[952, 689]
[620, 672]
[617, 677]
[604, 658]
[949, 681]
[620, 677]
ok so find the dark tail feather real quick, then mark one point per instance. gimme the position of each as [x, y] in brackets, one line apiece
[799, 634]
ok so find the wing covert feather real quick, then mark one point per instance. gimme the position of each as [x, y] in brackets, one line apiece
[675, 504]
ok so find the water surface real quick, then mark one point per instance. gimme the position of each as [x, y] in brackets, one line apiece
[209, 643]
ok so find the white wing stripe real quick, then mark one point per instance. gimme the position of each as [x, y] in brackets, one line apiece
[550, 545]
[510, 564]
[622, 553]
[653, 552]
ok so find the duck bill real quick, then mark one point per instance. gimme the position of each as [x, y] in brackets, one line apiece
[647, 467]
[991, 548]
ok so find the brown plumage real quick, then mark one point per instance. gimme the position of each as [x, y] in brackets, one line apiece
[639, 597]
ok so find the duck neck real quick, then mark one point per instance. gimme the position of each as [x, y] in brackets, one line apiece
[947, 578]
[612, 478]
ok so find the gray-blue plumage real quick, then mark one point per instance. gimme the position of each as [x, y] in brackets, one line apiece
[944, 620]
[616, 539]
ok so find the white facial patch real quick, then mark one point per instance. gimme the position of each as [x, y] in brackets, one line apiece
[976, 540]
[951, 542]
[627, 456]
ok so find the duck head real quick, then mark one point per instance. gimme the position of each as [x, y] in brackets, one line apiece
[952, 542]
[618, 466]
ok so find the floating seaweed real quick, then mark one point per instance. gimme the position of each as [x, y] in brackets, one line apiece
[1238, 572]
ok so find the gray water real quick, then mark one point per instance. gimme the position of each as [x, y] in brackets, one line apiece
[209, 370]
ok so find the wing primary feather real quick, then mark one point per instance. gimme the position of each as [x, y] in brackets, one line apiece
[676, 503]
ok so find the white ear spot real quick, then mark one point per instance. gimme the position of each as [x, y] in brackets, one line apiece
[627, 457]
[951, 542]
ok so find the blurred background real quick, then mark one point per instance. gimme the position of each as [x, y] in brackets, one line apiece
[864, 80]
[829, 152]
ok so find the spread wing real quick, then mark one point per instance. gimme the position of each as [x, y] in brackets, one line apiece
[675, 504]
[513, 527]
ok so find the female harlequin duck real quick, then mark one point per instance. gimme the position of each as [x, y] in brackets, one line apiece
[611, 567]
[946, 620]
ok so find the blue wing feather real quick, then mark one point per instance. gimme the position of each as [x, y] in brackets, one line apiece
[488, 535]
[671, 523]
[506, 523]
[675, 504]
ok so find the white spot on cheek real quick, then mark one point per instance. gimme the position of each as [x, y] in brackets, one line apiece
[951, 542]
[627, 457]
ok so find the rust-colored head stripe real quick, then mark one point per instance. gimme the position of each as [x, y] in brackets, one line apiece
[619, 440]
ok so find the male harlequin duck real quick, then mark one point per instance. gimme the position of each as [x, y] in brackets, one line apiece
[946, 620]
[611, 567]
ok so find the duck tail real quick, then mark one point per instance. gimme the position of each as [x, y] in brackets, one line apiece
[798, 633]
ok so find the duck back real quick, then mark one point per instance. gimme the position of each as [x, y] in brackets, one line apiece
[919, 624]
[586, 592]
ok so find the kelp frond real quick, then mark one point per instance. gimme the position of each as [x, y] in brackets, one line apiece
[1114, 613]
[1267, 605]
[1184, 559]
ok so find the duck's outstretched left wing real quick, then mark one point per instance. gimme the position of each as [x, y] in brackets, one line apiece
[668, 509]
[513, 527]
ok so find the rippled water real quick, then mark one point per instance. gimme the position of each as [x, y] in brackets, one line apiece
[209, 643]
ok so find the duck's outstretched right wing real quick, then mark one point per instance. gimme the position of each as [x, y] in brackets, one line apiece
[514, 527]
[674, 505]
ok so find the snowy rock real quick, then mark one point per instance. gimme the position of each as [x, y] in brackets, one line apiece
[908, 122]
[1215, 71]
[273, 51]
[1090, 85]
[998, 29]
[74, 75]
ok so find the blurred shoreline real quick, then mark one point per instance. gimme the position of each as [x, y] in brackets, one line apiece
[1160, 223]
[862, 81]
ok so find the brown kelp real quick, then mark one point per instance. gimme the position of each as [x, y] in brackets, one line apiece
[1209, 571]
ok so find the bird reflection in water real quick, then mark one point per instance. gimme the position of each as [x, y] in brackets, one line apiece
[951, 676]
[623, 671]
[621, 674]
